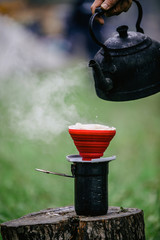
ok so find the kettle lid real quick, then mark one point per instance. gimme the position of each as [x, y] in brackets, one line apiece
[124, 39]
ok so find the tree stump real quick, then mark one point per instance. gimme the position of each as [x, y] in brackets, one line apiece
[64, 224]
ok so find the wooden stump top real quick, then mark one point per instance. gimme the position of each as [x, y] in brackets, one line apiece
[63, 223]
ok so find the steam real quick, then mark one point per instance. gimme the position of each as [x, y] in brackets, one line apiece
[39, 108]
[22, 52]
[35, 104]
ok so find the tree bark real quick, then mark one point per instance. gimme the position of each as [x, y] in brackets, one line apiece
[64, 224]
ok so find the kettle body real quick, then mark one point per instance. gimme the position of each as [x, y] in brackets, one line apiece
[127, 67]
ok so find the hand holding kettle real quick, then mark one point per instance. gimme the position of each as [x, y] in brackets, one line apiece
[111, 7]
[127, 66]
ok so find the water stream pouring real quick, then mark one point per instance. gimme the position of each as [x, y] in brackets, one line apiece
[127, 67]
[89, 170]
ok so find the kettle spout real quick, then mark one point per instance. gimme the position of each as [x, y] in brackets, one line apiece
[102, 84]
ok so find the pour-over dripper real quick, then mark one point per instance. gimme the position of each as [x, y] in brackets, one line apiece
[91, 143]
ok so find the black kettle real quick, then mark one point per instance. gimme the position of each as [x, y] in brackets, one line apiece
[127, 66]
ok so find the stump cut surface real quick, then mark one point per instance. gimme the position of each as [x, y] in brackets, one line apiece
[64, 224]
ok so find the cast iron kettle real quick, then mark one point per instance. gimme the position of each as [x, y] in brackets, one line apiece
[127, 66]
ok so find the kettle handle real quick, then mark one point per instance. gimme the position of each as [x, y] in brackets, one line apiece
[99, 12]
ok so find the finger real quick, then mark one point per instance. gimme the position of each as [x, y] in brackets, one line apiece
[111, 13]
[97, 3]
[121, 6]
[127, 5]
[108, 4]
[100, 20]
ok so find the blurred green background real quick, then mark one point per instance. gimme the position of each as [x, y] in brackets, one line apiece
[134, 176]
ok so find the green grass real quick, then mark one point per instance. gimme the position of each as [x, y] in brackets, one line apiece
[134, 176]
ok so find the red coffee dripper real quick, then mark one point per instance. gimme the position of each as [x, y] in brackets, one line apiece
[91, 144]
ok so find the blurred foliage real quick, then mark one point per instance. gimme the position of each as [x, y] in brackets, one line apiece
[134, 176]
